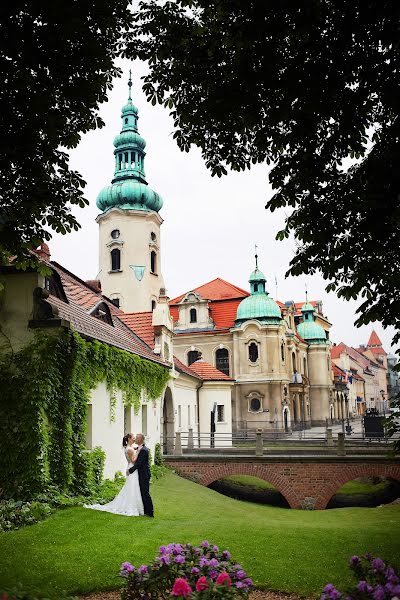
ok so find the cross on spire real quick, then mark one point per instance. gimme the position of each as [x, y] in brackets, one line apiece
[305, 285]
[256, 255]
[130, 84]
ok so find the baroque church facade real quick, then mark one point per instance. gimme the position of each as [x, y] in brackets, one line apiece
[275, 355]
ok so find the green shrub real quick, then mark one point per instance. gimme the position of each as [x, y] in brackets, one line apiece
[97, 460]
[158, 457]
[158, 472]
[16, 514]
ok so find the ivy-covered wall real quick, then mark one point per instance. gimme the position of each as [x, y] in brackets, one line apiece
[45, 389]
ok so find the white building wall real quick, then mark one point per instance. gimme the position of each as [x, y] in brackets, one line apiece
[220, 393]
[108, 434]
[185, 399]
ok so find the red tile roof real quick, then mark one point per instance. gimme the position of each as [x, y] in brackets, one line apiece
[207, 372]
[217, 289]
[141, 324]
[81, 299]
[373, 350]
[185, 369]
[362, 360]
[337, 371]
[374, 339]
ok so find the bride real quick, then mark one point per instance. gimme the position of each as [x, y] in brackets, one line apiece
[129, 500]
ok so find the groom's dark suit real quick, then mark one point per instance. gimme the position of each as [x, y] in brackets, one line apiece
[142, 467]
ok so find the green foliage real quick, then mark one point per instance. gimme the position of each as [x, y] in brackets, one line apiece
[59, 66]
[88, 546]
[18, 593]
[17, 514]
[46, 388]
[285, 84]
[97, 459]
[158, 456]
[158, 471]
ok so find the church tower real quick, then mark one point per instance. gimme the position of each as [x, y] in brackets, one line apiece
[129, 224]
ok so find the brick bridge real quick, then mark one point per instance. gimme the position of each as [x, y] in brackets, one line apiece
[307, 482]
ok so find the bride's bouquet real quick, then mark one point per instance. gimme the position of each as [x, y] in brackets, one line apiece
[186, 571]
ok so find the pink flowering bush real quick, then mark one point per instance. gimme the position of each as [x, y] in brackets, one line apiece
[375, 581]
[185, 571]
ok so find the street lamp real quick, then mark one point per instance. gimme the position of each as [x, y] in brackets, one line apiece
[382, 393]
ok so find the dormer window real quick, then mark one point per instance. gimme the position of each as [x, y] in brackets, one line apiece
[102, 312]
[153, 304]
[253, 352]
[193, 315]
[115, 259]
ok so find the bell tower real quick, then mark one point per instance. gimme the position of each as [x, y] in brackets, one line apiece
[129, 223]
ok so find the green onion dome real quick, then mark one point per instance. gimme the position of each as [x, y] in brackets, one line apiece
[308, 329]
[129, 188]
[259, 305]
[129, 194]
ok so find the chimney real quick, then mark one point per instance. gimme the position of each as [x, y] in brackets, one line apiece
[43, 251]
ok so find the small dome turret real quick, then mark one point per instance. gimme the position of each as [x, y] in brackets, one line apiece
[308, 329]
[259, 305]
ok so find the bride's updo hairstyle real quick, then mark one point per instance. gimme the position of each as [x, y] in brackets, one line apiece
[126, 439]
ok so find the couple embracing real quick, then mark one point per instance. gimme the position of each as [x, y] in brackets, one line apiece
[134, 499]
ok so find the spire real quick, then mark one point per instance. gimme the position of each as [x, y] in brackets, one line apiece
[129, 188]
[130, 84]
[256, 257]
[374, 340]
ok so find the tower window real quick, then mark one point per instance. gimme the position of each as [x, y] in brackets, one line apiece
[294, 361]
[222, 360]
[305, 366]
[115, 234]
[120, 161]
[126, 120]
[253, 352]
[192, 356]
[115, 259]
[132, 159]
[153, 237]
[153, 262]
[193, 315]
[283, 352]
[256, 287]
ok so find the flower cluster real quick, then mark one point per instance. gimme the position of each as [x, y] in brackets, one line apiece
[186, 571]
[375, 581]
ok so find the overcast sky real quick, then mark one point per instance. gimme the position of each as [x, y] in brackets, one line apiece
[210, 225]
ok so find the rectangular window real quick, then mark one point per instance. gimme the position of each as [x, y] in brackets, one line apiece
[220, 413]
[144, 419]
[179, 416]
[89, 427]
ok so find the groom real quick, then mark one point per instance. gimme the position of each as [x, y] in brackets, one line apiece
[143, 469]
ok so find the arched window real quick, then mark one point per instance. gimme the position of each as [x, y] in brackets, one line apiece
[255, 405]
[283, 352]
[153, 262]
[222, 360]
[153, 304]
[253, 352]
[304, 366]
[193, 315]
[256, 287]
[192, 356]
[115, 259]
[294, 361]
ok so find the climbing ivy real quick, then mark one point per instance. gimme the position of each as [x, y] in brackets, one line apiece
[45, 391]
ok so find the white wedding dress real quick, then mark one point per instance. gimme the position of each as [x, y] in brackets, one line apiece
[129, 500]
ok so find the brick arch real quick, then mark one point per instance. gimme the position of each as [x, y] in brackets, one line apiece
[354, 472]
[261, 471]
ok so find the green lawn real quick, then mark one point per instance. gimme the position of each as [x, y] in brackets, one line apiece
[250, 482]
[79, 550]
[355, 487]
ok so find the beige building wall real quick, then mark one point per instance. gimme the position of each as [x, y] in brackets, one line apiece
[320, 375]
[16, 308]
[139, 237]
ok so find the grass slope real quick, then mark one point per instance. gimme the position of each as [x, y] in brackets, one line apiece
[79, 550]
